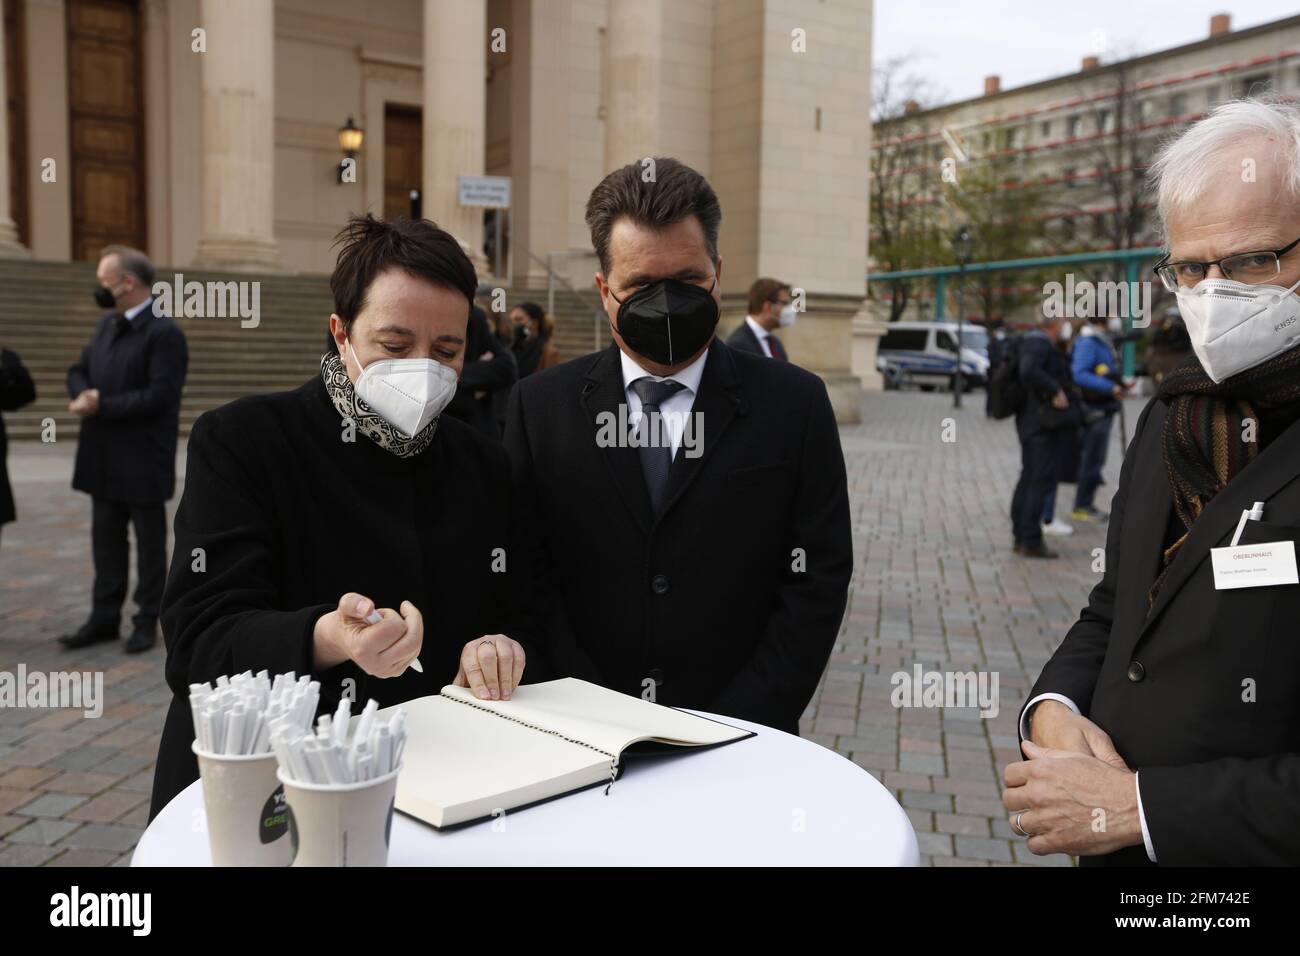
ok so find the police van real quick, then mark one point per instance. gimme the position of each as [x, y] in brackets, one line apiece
[925, 354]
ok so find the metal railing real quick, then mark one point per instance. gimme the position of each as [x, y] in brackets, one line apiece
[598, 312]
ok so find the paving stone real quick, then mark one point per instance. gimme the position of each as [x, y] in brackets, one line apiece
[983, 848]
[84, 858]
[107, 807]
[43, 831]
[51, 805]
[97, 836]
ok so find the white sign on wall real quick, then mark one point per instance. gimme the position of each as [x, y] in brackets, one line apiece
[489, 192]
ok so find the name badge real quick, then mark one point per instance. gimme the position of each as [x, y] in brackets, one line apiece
[1254, 565]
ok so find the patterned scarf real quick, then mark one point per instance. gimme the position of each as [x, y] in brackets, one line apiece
[1203, 436]
[367, 420]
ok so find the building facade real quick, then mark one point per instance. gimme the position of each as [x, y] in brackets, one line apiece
[207, 132]
[1081, 142]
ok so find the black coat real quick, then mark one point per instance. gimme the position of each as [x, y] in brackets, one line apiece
[1219, 777]
[704, 599]
[1043, 372]
[127, 451]
[290, 517]
[16, 390]
[493, 377]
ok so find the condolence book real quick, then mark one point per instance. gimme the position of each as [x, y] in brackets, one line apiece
[466, 758]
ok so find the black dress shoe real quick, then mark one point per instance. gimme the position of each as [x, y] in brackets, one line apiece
[89, 634]
[141, 639]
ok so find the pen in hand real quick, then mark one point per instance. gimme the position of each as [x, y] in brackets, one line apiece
[374, 617]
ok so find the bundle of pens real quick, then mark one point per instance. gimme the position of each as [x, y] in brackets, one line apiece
[240, 715]
[329, 757]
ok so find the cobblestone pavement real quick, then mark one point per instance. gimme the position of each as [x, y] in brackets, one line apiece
[935, 584]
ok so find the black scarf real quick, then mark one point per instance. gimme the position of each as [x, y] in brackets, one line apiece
[367, 420]
[1203, 434]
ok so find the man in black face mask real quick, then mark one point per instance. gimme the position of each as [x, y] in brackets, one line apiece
[127, 390]
[686, 502]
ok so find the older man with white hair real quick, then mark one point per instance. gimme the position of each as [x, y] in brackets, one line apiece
[1166, 727]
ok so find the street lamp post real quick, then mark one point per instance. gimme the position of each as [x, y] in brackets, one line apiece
[961, 244]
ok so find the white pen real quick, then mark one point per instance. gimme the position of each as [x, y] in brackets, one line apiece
[1256, 513]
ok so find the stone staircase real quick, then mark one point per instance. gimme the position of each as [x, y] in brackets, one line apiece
[47, 314]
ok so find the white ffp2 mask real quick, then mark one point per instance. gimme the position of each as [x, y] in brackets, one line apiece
[407, 393]
[1235, 326]
[787, 316]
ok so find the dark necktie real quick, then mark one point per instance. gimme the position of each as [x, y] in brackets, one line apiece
[778, 350]
[655, 459]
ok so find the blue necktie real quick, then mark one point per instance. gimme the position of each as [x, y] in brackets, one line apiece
[655, 459]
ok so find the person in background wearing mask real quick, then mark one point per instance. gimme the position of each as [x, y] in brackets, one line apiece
[1173, 703]
[1095, 369]
[488, 374]
[1039, 426]
[770, 308]
[532, 339]
[127, 389]
[16, 390]
[686, 503]
[305, 512]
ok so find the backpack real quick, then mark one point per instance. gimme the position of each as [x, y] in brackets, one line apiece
[1006, 392]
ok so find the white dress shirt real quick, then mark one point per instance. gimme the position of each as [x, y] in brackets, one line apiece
[761, 334]
[1142, 817]
[135, 310]
[675, 411]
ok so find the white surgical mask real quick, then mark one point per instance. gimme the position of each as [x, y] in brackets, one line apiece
[407, 393]
[1235, 326]
[787, 316]
[1115, 326]
[1066, 331]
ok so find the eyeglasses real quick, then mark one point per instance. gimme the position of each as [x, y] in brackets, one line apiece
[1248, 267]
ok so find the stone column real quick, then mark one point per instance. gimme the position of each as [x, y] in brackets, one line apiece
[634, 44]
[455, 100]
[9, 244]
[238, 204]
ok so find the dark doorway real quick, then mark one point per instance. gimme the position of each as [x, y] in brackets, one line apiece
[106, 126]
[403, 160]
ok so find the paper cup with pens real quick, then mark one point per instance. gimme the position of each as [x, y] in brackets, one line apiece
[341, 791]
[247, 817]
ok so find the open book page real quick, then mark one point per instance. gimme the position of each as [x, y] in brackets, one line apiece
[601, 717]
[461, 763]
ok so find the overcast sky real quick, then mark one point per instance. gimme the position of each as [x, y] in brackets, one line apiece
[955, 44]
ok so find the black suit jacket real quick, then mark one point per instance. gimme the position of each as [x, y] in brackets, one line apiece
[744, 339]
[127, 452]
[290, 517]
[1219, 777]
[16, 390]
[731, 598]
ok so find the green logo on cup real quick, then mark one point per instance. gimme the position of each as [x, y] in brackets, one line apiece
[274, 822]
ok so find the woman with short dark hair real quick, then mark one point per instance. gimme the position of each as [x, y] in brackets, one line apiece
[307, 512]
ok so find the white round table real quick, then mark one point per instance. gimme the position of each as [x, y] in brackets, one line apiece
[770, 800]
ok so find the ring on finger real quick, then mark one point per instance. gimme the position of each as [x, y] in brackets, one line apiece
[1015, 824]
